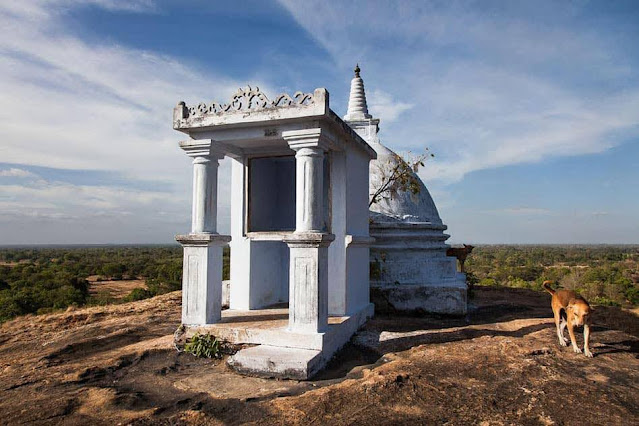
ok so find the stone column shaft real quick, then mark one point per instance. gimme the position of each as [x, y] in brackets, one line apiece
[309, 215]
[204, 213]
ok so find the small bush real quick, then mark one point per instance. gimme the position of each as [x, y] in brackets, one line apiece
[604, 301]
[632, 294]
[203, 346]
[489, 282]
[138, 294]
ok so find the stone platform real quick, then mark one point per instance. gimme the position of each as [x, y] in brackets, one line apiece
[281, 353]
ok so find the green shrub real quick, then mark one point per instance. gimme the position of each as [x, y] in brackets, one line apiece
[632, 294]
[604, 301]
[203, 346]
[471, 279]
[138, 294]
[489, 282]
[517, 282]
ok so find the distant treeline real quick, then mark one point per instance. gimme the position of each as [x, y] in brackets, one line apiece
[607, 275]
[36, 280]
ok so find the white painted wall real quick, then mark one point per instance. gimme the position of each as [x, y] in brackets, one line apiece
[357, 257]
[337, 249]
[357, 192]
[259, 269]
[240, 245]
[269, 273]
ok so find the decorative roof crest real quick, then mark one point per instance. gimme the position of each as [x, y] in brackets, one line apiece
[249, 99]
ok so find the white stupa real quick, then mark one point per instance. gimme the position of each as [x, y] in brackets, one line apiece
[409, 267]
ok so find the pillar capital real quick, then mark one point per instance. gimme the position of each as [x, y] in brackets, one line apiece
[201, 150]
[309, 240]
[306, 138]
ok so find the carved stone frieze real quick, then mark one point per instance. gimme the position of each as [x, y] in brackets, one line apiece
[249, 99]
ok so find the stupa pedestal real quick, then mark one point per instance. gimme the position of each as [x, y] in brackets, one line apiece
[411, 273]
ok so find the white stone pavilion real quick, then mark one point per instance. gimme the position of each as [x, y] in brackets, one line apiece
[299, 229]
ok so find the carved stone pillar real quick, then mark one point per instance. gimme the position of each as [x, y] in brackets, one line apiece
[309, 214]
[202, 265]
[204, 213]
[308, 273]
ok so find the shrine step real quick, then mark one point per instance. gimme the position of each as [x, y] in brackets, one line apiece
[278, 362]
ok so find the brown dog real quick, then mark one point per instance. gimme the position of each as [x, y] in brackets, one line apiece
[577, 313]
[461, 253]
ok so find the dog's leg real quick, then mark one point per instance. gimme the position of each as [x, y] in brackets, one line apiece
[587, 341]
[562, 337]
[560, 334]
[571, 331]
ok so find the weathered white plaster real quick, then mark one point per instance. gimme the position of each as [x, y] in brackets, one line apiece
[278, 362]
[337, 284]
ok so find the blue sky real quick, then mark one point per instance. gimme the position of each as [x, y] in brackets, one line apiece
[531, 108]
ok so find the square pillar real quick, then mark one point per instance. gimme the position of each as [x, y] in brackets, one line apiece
[202, 278]
[308, 273]
[202, 264]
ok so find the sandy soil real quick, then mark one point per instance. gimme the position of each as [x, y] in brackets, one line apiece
[115, 289]
[501, 365]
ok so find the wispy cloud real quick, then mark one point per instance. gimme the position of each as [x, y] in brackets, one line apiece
[486, 89]
[18, 173]
[385, 106]
[89, 106]
[70, 104]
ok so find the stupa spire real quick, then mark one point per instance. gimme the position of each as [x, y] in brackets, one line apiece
[357, 108]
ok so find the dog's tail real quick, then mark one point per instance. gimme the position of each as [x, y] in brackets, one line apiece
[546, 285]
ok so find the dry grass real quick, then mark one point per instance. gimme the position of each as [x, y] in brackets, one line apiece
[112, 288]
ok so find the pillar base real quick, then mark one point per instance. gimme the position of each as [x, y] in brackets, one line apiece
[308, 294]
[202, 278]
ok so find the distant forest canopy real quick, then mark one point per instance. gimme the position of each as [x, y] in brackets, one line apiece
[604, 275]
[40, 280]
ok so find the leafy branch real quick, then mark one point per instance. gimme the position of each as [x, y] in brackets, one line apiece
[400, 177]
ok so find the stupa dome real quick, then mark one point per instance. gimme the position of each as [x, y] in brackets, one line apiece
[404, 206]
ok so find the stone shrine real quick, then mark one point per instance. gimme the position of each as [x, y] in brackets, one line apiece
[299, 229]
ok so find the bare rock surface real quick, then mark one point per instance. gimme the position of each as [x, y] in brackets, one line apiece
[499, 365]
